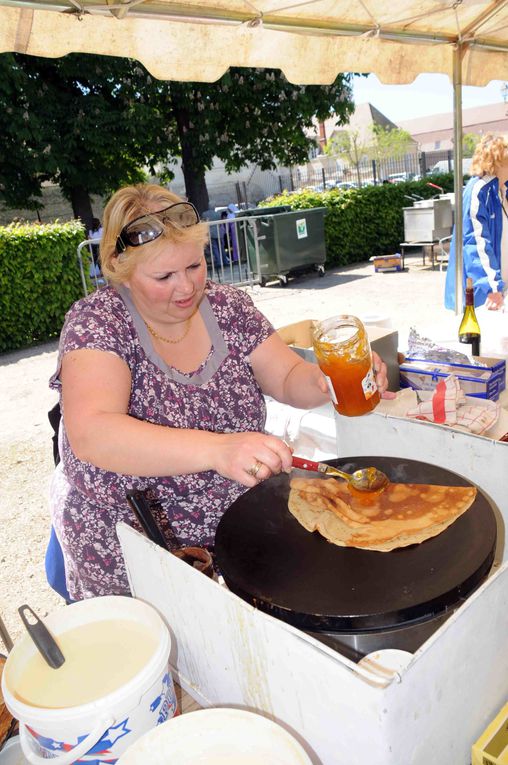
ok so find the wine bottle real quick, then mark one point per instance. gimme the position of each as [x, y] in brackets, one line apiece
[469, 330]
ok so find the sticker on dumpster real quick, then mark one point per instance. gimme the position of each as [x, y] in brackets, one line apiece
[301, 228]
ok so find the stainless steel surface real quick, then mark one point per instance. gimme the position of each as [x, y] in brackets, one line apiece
[407, 638]
[428, 220]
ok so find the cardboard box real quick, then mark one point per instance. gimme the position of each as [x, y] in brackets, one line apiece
[382, 340]
[492, 746]
[299, 337]
[387, 262]
[481, 382]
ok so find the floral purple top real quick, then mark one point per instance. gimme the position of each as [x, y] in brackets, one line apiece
[221, 396]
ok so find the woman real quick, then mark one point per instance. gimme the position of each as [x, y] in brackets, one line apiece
[95, 232]
[162, 375]
[485, 227]
[232, 233]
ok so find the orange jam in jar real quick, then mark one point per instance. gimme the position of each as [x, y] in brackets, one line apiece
[343, 353]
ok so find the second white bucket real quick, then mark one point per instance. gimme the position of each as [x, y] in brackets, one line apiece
[101, 730]
[220, 736]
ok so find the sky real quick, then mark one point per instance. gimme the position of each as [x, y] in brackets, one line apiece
[428, 94]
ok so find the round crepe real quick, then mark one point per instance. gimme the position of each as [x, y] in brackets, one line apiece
[403, 514]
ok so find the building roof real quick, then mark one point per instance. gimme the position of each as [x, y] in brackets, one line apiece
[365, 116]
[472, 120]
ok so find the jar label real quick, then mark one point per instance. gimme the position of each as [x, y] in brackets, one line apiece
[330, 388]
[369, 384]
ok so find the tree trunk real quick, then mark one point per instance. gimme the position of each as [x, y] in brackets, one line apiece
[193, 173]
[81, 205]
[195, 188]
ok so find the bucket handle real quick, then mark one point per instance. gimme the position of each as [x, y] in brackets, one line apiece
[68, 757]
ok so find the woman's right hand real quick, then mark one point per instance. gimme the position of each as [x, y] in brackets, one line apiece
[250, 458]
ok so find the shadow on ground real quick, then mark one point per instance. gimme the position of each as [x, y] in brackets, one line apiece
[314, 282]
[12, 357]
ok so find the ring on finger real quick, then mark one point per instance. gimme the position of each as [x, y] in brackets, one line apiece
[254, 469]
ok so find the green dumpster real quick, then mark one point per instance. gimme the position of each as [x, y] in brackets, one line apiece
[289, 242]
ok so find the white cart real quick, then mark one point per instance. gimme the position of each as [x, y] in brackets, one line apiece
[228, 653]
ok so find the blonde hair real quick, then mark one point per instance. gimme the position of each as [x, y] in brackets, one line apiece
[124, 206]
[489, 153]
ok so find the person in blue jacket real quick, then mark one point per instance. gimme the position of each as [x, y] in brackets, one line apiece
[485, 227]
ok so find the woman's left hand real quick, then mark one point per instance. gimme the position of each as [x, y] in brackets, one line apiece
[495, 301]
[381, 376]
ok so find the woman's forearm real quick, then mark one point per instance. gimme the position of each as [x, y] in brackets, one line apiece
[305, 387]
[122, 444]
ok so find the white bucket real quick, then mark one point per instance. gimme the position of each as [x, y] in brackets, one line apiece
[98, 731]
[217, 737]
[11, 754]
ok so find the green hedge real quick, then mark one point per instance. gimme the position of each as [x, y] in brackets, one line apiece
[39, 280]
[360, 223]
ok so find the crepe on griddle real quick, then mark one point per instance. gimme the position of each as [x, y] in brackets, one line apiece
[402, 514]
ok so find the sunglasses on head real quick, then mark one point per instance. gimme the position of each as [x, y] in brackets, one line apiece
[151, 226]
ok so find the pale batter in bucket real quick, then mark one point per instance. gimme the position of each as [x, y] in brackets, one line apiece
[100, 657]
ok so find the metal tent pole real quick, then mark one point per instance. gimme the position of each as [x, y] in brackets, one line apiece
[457, 175]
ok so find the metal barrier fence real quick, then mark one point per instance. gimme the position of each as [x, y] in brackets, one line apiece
[232, 255]
[368, 172]
[91, 277]
[232, 252]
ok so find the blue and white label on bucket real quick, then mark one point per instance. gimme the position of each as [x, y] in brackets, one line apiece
[156, 706]
[369, 384]
[165, 703]
[99, 754]
[330, 388]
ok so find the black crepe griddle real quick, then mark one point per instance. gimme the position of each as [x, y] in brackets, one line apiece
[268, 559]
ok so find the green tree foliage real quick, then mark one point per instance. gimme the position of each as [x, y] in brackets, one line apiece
[348, 145]
[389, 143]
[383, 144]
[80, 121]
[249, 115]
[469, 143]
[90, 123]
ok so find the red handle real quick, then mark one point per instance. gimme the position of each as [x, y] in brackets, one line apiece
[435, 186]
[299, 462]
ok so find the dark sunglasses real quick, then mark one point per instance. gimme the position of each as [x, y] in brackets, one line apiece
[151, 226]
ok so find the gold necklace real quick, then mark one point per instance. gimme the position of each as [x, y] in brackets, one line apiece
[166, 339]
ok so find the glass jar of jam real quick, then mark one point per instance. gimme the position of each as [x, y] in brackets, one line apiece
[343, 353]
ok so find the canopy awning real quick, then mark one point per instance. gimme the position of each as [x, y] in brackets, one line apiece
[311, 41]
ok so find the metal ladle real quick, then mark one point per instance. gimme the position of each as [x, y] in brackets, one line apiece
[364, 479]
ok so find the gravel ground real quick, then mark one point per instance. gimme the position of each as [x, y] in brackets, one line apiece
[26, 463]
[413, 297]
